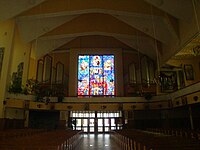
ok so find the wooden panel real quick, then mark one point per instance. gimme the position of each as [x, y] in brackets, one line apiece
[15, 103]
[68, 106]
[159, 105]
[133, 106]
[180, 101]
[39, 106]
[104, 106]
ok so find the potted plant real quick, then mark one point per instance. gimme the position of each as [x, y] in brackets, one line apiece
[15, 85]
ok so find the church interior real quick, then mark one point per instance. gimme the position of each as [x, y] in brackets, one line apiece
[127, 72]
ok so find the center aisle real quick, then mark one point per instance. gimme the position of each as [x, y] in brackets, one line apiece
[97, 142]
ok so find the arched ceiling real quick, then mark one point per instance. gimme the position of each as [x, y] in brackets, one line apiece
[135, 25]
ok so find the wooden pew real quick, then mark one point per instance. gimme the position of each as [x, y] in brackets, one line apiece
[142, 140]
[177, 132]
[52, 140]
[15, 133]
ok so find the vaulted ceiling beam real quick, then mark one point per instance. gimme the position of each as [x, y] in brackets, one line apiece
[148, 48]
[181, 9]
[144, 23]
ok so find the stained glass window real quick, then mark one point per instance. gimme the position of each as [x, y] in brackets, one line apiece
[96, 75]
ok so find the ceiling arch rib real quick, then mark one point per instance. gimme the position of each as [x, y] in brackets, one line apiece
[91, 24]
[12, 8]
[148, 48]
[40, 25]
[94, 22]
[78, 34]
[46, 22]
[44, 46]
[53, 6]
[95, 41]
[87, 11]
[181, 9]
[130, 40]
[144, 23]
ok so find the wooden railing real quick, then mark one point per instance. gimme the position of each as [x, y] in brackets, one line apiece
[140, 89]
[143, 140]
[45, 89]
[177, 132]
[51, 140]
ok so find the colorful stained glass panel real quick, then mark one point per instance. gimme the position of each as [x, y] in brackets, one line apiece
[96, 75]
[109, 85]
[83, 75]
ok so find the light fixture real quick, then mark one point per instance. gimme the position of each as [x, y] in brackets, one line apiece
[86, 106]
[69, 107]
[139, 90]
[196, 50]
[196, 14]
[195, 98]
[156, 79]
[103, 107]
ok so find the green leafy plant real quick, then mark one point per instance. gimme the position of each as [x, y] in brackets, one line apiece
[15, 85]
[43, 91]
[31, 86]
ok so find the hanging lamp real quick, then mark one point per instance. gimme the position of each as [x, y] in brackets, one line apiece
[157, 78]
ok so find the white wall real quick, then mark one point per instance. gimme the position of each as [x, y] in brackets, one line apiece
[16, 51]
[7, 29]
[21, 53]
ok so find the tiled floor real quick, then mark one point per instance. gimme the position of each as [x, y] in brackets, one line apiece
[97, 142]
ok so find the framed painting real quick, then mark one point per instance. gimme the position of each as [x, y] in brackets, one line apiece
[189, 73]
[168, 81]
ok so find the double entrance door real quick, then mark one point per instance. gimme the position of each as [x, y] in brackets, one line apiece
[96, 121]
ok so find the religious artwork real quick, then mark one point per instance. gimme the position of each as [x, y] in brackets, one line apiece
[1, 58]
[96, 75]
[189, 73]
[168, 81]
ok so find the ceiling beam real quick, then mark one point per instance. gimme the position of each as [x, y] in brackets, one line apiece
[148, 48]
[156, 27]
[53, 6]
[40, 25]
[44, 46]
[181, 9]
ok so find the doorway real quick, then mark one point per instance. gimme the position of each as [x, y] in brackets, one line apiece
[96, 121]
